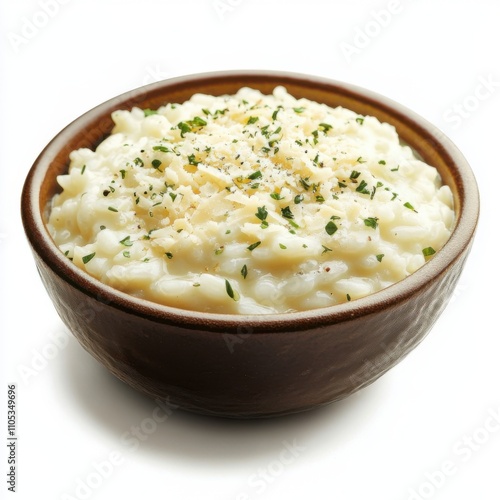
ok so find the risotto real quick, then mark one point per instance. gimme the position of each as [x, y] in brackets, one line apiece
[250, 204]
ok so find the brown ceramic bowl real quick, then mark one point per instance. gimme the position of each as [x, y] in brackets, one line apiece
[255, 365]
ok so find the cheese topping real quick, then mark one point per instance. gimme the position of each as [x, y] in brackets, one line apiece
[250, 204]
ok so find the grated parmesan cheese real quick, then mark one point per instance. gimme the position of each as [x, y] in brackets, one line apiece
[250, 204]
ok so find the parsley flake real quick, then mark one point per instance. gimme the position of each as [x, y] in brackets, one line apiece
[253, 246]
[244, 271]
[287, 213]
[126, 242]
[232, 293]
[331, 228]
[371, 222]
[261, 213]
[87, 258]
[428, 251]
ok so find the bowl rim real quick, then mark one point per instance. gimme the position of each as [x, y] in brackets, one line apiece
[462, 234]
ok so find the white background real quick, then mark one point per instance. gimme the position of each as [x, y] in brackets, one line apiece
[390, 441]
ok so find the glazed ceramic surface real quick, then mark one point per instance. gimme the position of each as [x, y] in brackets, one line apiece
[250, 366]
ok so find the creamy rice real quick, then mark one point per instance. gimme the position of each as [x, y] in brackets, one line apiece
[250, 204]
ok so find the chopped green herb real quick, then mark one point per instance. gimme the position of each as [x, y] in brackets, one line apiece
[219, 250]
[326, 249]
[305, 184]
[139, 162]
[298, 199]
[102, 227]
[126, 254]
[362, 188]
[299, 110]
[244, 271]
[331, 228]
[184, 128]
[112, 209]
[253, 246]
[196, 285]
[320, 199]
[381, 162]
[149, 112]
[192, 160]
[287, 213]
[83, 169]
[197, 122]
[156, 164]
[342, 185]
[252, 120]
[360, 120]
[169, 255]
[163, 149]
[255, 175]
[348, 297]
[233, 294]
[380, 256]
[126, 242]
[395, 169]
[410, 206]
[173, 196]
[275, 114]
[371, 222]
[276, 196]
[283, 247]
[428, 251]
[360, 160]
[87, 258]
[354, 174]
[123, 172]
[261, 213]
[326, 127]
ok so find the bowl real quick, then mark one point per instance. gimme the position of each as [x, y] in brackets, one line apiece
[247, 366]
